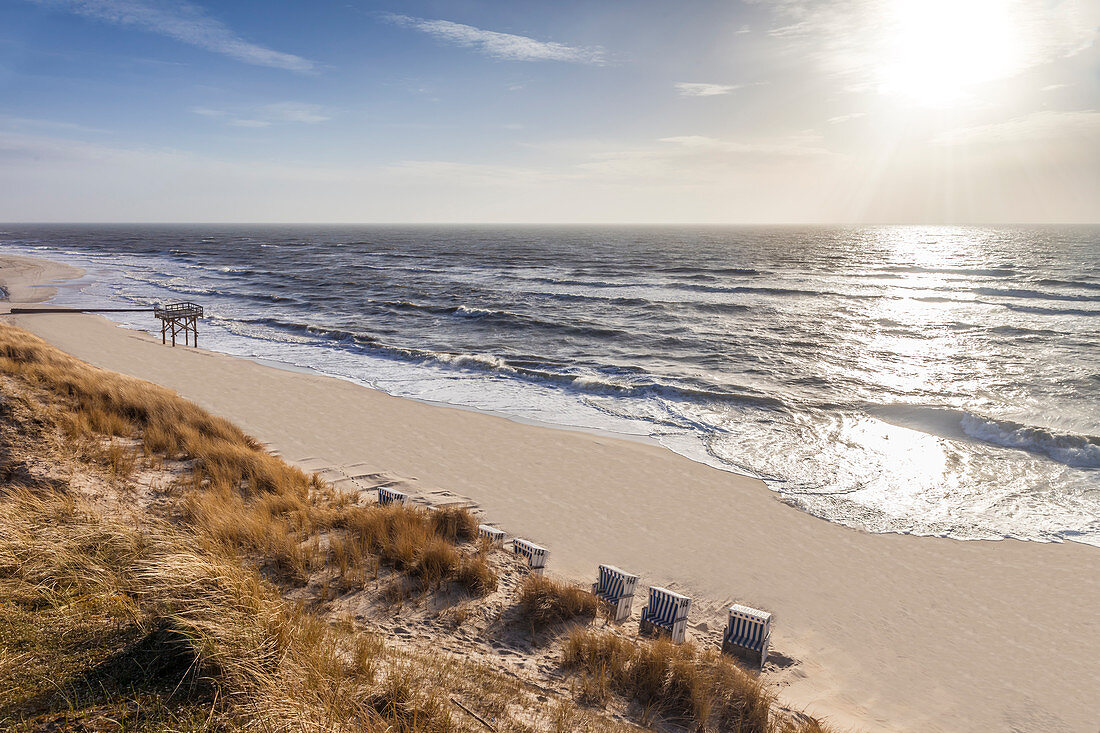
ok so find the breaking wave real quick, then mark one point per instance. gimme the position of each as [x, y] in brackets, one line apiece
[1079, 451]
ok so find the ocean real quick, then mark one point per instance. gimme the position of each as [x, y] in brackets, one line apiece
[929, 380]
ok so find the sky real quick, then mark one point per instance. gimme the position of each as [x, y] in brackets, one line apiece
[611, 111]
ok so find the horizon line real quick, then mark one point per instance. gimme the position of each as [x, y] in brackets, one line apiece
[556, 223]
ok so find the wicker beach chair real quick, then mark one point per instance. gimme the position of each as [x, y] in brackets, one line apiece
[748, 633]
[392, 496]
[666, 612]
[615, 587]
[536, 556]
[494, 535]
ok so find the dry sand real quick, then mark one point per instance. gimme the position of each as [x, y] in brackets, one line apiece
[883, 632]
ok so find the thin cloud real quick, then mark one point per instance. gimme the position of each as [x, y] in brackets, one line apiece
[294, 112]
[504, 46]
[1046, 125]
[798, 145]
[846, 118]
[268, 114]
[697, 89]
[239, 122]
[183, 22]
[18, 123]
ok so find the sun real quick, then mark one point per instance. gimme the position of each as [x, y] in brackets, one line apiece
[933, 51]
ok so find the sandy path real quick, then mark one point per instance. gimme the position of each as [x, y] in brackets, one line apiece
[890, 631]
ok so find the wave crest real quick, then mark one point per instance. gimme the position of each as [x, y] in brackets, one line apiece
[1079, 451]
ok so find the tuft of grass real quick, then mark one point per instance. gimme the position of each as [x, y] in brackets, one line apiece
[476, 576]
[454, 524]
[436, 560]
[402, 705]
[99, 420]
[673, 681]
[545, 602]
[120, 460]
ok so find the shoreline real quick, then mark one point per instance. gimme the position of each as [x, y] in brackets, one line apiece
[875, 625]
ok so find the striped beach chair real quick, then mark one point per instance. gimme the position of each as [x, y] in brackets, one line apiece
[748, 632]
[494, 535]
[666, 611]
[392, 496]
[616, 588]
[536, 556]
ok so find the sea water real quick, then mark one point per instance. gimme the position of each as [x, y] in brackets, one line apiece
[929, 380]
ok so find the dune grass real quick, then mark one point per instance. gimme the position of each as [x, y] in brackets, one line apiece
[241, 653]
[670, 681]
[545, 602]
[248, 500]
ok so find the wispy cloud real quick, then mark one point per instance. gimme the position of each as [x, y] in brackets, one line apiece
[1046, 125]
[698, 89]
[19, 123]
[295, 112]
[504, 46]
[846, 118]
[268, 114]
[798, 145]
[245, 122]
[183, 22]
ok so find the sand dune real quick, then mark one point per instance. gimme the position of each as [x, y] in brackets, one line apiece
[885, 632]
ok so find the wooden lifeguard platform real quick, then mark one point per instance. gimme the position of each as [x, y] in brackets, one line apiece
[178, 318]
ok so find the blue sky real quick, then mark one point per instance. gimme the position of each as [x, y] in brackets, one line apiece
[763, 111]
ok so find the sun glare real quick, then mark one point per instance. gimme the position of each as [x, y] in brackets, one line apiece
[934, 51]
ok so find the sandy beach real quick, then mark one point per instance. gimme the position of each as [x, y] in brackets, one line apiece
[27, 279]
[880, 632]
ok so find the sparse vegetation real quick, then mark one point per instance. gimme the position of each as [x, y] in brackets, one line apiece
[545, 602]
[667, 680]
[454, 524]
[475, 575]
[178, 617]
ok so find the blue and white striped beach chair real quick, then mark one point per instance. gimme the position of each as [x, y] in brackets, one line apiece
[536, 556]
[392, 496]
[748, 632]
[494, 535]
[616, 588]
[666, 611]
